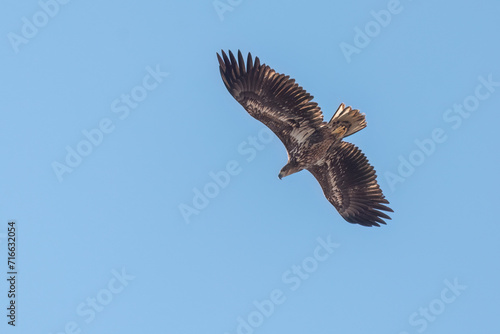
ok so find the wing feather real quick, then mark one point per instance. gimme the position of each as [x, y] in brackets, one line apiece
[349, 182]
[270, 97]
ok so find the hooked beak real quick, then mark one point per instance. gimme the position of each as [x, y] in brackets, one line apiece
[280, 176]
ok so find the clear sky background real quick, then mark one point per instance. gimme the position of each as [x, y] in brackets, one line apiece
[114, 120]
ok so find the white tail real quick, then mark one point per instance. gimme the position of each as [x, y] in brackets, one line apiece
[352, 119]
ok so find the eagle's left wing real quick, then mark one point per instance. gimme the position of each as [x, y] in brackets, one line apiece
[272, 98]
[349, 182]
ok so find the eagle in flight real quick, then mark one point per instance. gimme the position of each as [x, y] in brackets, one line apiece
[344, 173]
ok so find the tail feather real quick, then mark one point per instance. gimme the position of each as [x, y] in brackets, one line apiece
[350, 118]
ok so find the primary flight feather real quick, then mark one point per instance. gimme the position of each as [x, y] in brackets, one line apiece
[347, 179]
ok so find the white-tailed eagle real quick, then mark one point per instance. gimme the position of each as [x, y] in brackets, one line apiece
[347, 179]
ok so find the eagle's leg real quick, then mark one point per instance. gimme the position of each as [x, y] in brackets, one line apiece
[340, 131]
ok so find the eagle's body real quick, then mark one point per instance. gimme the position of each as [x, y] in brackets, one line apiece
[346, 177]
[312, 146]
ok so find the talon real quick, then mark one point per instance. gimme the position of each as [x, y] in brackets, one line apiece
[340, 131]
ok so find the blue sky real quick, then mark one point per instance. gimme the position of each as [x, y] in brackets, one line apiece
[115, 119]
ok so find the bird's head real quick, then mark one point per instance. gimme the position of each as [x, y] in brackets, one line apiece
[288, 169]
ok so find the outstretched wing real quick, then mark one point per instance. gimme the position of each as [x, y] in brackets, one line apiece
[272, 98]
[349, 183]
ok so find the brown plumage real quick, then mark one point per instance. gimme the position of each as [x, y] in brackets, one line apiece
[347, 179]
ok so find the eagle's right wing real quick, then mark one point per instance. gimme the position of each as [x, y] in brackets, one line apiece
[349, 182]
[272, 98]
